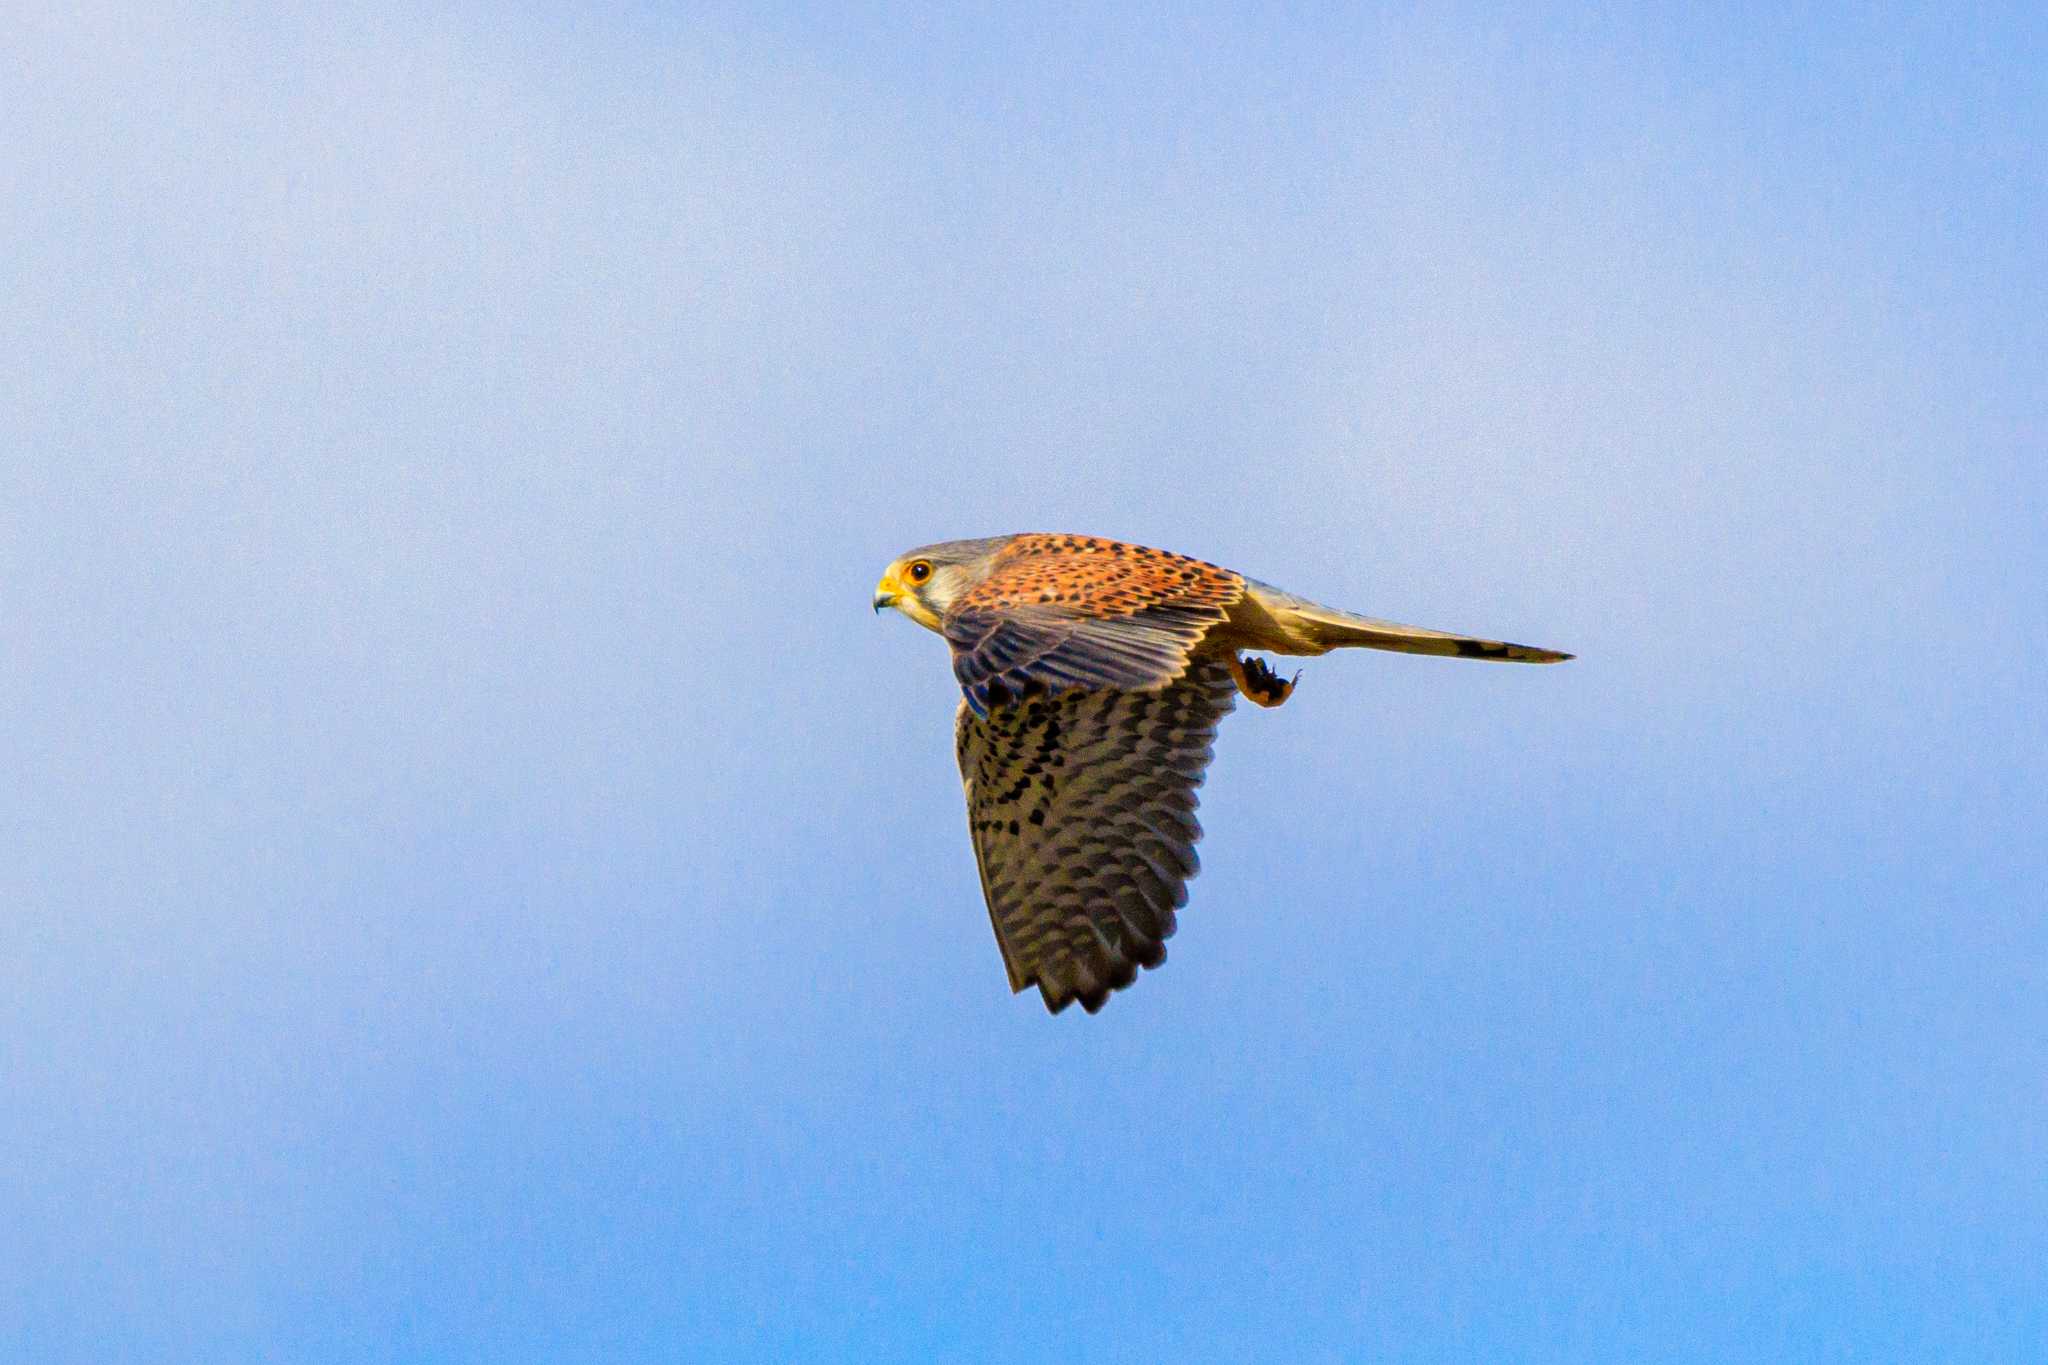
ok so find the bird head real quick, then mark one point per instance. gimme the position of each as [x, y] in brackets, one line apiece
[924, 583]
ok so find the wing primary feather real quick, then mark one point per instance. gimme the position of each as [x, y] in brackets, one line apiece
[1081, 808]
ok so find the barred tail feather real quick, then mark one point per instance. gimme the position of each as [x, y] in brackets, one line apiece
[1296, 625]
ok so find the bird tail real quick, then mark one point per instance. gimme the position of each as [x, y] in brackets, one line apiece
[1312, 628]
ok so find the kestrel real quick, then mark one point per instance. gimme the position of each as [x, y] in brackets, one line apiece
[1094, 675]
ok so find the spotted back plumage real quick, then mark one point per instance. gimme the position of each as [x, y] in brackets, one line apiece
[1095, 577]
[1058, 613]
[1082, 812]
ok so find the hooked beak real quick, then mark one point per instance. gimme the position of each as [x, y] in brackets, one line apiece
[886, 592]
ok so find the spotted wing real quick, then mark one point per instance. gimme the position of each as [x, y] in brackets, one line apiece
[1082, 812]
[1064, 613]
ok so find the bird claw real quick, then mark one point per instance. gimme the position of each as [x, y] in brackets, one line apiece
[1259, 683]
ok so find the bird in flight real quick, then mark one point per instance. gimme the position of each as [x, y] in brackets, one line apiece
[1094, 673]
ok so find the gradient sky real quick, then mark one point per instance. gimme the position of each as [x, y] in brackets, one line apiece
[476, 883]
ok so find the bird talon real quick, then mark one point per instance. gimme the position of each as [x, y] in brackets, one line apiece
[1256, 679]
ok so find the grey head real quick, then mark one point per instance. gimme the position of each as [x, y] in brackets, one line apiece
[924, 583]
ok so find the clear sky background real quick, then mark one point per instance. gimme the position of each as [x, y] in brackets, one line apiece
[476, 882]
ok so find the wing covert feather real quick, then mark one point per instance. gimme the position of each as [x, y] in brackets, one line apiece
[1062, 613]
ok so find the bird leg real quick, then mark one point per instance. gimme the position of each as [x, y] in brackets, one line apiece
[1259, 683]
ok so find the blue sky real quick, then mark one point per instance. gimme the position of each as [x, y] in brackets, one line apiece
[480, 885]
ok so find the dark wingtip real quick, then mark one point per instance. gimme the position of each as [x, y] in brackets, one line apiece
[1121, 974]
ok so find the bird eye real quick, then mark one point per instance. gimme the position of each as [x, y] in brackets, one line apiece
[918, 570]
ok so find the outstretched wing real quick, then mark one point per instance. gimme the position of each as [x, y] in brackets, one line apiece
[1061, 613]
[1082, 811]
